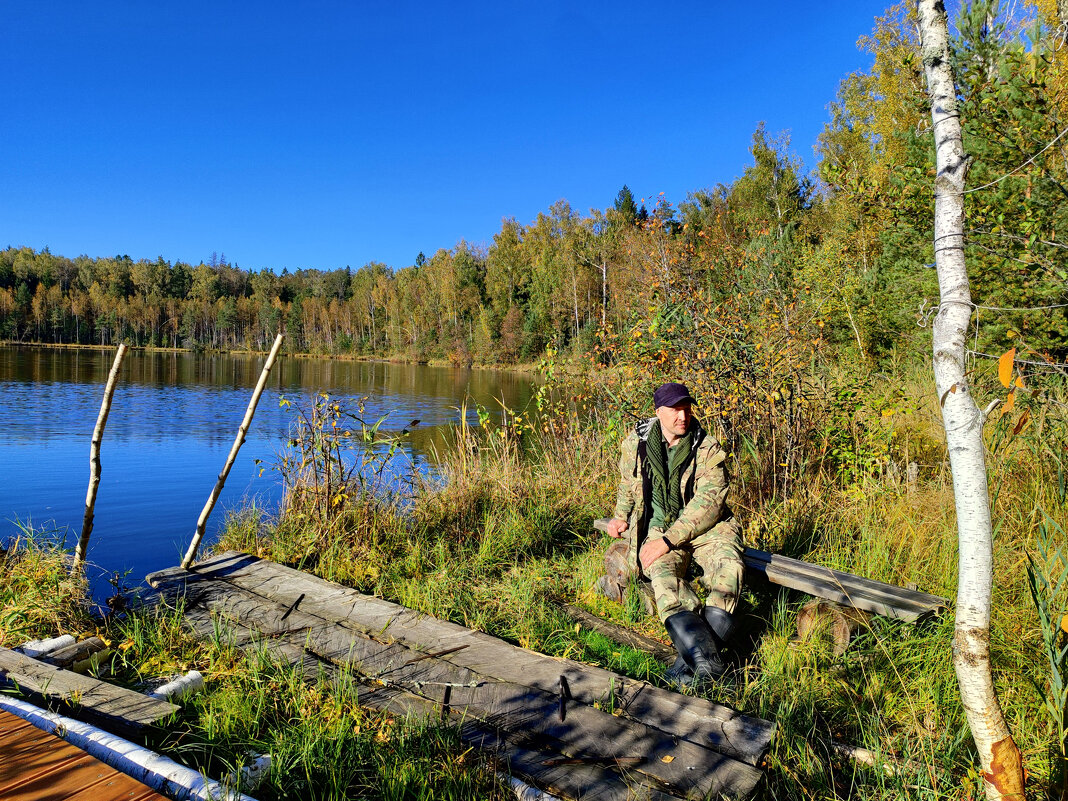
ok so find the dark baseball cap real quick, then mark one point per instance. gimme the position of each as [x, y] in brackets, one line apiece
[671, 394]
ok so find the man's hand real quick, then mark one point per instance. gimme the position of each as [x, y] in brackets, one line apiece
[616, 527]
[651, 551]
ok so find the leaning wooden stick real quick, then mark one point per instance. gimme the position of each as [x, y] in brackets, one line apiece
[94, 460]
[191, 554]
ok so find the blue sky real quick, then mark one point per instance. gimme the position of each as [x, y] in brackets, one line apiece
[325, 134]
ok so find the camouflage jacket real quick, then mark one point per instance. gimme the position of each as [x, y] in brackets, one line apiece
[704, 488]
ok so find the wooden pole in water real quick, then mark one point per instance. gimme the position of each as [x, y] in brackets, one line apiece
[94, 460]
[202, 522]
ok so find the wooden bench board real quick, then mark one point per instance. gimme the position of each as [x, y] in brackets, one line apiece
[93, 698]
[835, 585]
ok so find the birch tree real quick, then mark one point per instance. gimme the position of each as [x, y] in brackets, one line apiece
[998, 754]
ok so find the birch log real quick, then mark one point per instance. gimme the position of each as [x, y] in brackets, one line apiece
[998, 754]
[94, 460]
[239, 440]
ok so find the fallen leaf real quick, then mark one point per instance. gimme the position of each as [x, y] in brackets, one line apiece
[1021, 422]
[667, 758]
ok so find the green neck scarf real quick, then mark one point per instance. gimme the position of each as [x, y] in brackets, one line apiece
[665, 470]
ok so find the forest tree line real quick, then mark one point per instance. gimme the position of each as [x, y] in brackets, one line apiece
[842, 251]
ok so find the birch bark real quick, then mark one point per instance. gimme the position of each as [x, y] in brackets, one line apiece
[94, 461]
[239, 440]
[998, 754]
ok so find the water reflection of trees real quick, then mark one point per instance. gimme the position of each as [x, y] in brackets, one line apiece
[165, 396]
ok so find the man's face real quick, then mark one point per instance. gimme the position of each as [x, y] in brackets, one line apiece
[674, 420]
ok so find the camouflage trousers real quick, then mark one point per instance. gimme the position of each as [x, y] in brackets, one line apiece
[718, 552]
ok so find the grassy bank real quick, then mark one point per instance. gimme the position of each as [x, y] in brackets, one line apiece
[38, 597]
[502, 534]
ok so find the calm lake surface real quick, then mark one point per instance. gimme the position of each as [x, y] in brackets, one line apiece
[172, 423]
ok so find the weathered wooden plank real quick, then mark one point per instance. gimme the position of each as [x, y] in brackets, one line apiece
[584, 782]
[711, 725]
[720, 727]
[847, 579]
[584, 732]
[620, 634]
[844, 588]
[539, 767]
[92, 697]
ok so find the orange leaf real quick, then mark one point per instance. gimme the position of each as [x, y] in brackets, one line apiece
[1019, 381]
[1005, 367]
[1010, 401]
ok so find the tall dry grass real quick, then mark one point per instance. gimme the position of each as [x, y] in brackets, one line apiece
[38, 596]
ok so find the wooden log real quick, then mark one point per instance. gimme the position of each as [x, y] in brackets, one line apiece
[40, 648]
[620, 634]
[111, 706]
[94, 460]
[689, 718]
[97, 663]
[65, 657]
[239, 440]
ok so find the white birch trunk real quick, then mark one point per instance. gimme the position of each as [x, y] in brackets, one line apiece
[94, 461]
[998, 754]
[604, 288]
[239, 440]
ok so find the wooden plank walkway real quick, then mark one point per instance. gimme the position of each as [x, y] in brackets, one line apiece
[533, 711]
[876, 597]
[38, 766]
[113, 708]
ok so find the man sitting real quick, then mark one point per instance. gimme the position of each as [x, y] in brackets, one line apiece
[672, 505]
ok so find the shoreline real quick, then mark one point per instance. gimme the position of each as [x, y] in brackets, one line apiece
[526, 368]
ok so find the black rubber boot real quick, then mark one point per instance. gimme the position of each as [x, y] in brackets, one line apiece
[696, 645]
[721, 623]
[679, 674]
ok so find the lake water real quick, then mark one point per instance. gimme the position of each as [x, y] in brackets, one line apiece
[172, 423]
